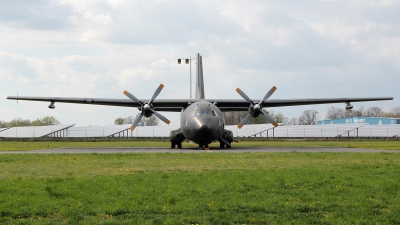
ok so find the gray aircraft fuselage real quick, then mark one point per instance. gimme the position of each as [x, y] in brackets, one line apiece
[202, 122]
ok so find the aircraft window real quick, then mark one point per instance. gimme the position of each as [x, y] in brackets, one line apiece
[195, 113]
[203, 112]
[199, 111]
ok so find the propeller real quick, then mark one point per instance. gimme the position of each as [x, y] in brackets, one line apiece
[147, 107]
[256, 108]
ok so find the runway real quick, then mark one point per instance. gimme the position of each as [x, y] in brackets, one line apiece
[191, 150]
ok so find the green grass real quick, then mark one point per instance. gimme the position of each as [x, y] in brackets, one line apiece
[218, 188]
[38, 144]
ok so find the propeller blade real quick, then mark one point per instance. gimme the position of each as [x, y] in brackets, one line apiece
[269, 118]
[270, 92]
[241, 93]
[131, 96]
[161, 117]
[156, 93]
[136, 122]
[244, 121]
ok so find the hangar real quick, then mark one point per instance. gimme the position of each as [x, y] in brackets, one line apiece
[362, 119]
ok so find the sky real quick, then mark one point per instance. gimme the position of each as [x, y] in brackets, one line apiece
[307, 49]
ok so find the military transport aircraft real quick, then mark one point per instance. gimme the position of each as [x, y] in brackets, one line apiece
[201, 119]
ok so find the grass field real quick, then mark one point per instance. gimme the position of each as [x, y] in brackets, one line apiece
[218, 188]
[36, 145]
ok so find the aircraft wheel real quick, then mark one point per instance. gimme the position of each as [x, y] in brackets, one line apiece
[172, 145]
[180, 145]
[221, 145]
[228, 146]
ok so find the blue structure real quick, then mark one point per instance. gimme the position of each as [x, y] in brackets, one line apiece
[362, 119]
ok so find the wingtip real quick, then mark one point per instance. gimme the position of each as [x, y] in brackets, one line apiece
[167, 122]
[132, 128]
[238, 90]
[161, 86]
[240, 125]
[275, 124]
[126, 92]
[274, 88]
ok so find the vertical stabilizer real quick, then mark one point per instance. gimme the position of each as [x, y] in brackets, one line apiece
[199, 77]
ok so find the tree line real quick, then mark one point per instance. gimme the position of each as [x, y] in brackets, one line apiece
[311, 117]
[19, 122]
[307, 117]
[337, 113]
[151, 121]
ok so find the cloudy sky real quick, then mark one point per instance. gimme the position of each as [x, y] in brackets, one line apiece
[308, 49]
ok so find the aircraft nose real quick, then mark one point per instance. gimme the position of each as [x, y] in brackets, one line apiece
[204, 130]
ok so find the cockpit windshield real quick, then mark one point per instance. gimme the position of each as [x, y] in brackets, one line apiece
[203, 109]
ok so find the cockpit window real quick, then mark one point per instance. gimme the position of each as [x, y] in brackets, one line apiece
[202, 109]
[204, 112]
[195, 112]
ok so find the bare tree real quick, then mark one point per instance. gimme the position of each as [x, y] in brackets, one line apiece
[4, 124]
[233, 118]
[130, 119]
[374, 112]
[395, 111]
[358, 112]
[280, 118]
[308, 117]
[293, 121]
[151, 121]
[335, 113]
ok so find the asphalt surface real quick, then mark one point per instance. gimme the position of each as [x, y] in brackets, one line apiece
[192, 150]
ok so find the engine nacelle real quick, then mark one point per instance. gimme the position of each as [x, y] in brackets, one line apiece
[348, 105]
[147, 110]
[228, 135]
[52, 106]
[176, 136]
[253, 108]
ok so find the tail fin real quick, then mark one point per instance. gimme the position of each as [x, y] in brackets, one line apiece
[199, 77]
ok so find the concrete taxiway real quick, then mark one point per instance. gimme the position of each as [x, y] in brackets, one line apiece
[192, 150]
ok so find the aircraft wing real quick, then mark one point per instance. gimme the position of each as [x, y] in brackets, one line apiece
[242, 105]
[171, 105]
[176, 105]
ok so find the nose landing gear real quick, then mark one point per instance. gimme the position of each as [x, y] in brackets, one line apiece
[203, 146]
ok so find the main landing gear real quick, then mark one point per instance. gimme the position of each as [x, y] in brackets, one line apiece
[223, 145]
[173, 144]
